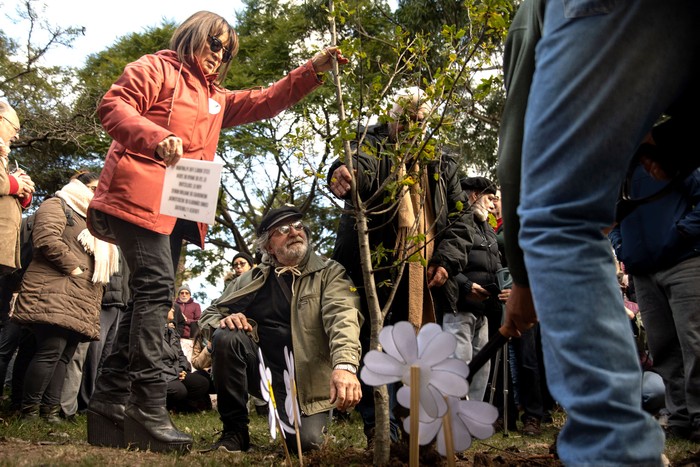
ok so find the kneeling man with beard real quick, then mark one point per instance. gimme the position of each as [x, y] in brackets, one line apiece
[297, 299]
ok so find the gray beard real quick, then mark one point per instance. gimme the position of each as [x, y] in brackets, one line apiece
[481, 213]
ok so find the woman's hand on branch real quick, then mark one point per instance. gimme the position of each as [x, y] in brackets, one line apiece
[323, 60]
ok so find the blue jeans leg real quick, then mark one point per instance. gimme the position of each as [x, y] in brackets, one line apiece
[605, 72]
[472, 334]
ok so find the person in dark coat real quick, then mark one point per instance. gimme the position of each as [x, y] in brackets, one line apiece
[187, 391]
[479, 303]
[374, 157]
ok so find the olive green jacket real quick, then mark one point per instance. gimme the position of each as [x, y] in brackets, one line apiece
[325, 320]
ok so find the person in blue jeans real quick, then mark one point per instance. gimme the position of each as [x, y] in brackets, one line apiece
[604, 73]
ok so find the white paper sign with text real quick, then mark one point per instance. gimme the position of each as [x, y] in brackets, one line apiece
[190, 190]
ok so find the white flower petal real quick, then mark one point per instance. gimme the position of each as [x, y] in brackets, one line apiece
[478, 417]
[433, 402]
[426, 431]
[370, 378]
[442, 346]
[387, 342]
[271, 421]
[461, 439]
[384, 364]
[403, 397]
[404, 337]
[453, 365]
[426, 334]
[449, 384]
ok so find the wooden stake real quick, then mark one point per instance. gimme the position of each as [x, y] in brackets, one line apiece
[414, 452]
[449, 442]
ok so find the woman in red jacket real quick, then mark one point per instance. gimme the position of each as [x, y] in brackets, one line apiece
[165, 106]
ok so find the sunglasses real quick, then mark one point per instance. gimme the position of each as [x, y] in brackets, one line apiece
[285, 229]
[215, 45]
[240, 264]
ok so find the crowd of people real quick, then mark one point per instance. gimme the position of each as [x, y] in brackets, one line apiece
[602, 266]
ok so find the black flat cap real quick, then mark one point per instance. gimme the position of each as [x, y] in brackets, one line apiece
[479, 184]
[285, 214]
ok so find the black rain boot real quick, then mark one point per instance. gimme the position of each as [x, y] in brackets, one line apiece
[30, 412]
[105, 424]
[50, 413]
[151, 428]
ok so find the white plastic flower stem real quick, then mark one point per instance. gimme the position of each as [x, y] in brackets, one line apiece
[293, 384]
[447, 430]
[415, 416]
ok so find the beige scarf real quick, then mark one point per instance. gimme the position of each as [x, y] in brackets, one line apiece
[77, 195]
[416, 230]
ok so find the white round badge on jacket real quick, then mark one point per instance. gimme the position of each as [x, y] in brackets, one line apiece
[214, 107]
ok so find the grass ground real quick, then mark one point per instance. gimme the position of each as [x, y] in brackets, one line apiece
[38, 443]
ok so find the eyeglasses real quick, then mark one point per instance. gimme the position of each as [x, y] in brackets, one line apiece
[215, 45]
[14, 127]
[184, 292]
[240, 264]
[285, 229]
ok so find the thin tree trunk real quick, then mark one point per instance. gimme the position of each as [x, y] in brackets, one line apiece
[381, 396]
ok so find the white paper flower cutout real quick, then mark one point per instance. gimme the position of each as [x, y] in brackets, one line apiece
[469, 419]
[268, 395]
[291, 405]
[432, 351]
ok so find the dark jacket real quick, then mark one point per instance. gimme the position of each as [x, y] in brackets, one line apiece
[117, 292]
[484, 260]
[174, 360]
[518, 68]
[663, 232]
[373, 163]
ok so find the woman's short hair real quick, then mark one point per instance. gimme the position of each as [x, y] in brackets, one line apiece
[193, 35]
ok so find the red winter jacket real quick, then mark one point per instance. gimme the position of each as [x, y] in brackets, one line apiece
[158, 96]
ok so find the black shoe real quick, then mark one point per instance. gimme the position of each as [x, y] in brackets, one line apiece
[151, 428]
[105, 424]
[262, 410]
[30, 412]
[695, 436]
[232, 441]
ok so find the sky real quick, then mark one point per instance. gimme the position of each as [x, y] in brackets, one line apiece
[106, 22]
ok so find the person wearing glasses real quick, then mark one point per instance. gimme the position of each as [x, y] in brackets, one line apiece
[241, 263]
[294, 299]
[16, 188]
[165, 106]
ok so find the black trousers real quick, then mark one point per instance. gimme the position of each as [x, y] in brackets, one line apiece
[190, 394]
[132, 373]
[236, 374]
[44, 377]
